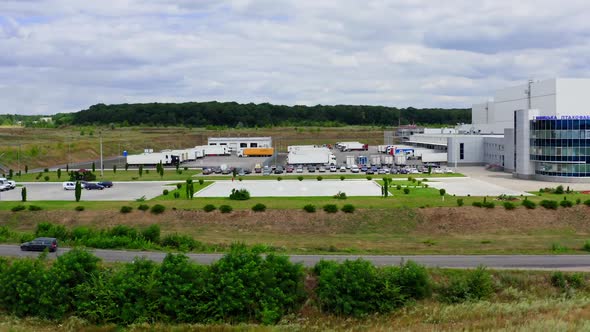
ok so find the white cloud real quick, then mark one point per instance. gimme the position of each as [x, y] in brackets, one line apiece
[65, 55]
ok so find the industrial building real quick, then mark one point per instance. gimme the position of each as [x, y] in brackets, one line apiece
[537, 130]
[236, 143]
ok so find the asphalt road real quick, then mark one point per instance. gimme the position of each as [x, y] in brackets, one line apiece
[121, 191]
[528, 262]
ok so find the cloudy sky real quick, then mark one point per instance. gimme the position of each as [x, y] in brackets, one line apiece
[65, 55]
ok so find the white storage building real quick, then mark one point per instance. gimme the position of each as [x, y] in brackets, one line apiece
[235, 143]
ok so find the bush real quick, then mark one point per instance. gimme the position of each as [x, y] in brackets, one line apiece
[259, 207]
[178, 185]
[566, 204]
[35, 208]
[557, 248]
[348, 208]
[565, 281]
[529, 204]
[460, 202]
[406, 191]
[180, 242]
[152, 234]
[398, 187]
[158, 209]
[126, 209]
[279, 178]
[369, 177]
[309, 208]
[342, 177]
[79, 208]
[225, 209]
[165, 192]
[18, 208]
[46, 178]
[509, 205]
[330, 208]
[488, 205]
[176, 194]
[300, 178]
[209, 208]
[477, 204]
[319, 178]
[549, 204]
[340, 195]
[143, 207]
[46, 229]
[476, 285]
[239, 194]
[559, 190]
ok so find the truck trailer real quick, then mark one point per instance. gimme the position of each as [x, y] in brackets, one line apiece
[352, 146]
[256, 152]
[166, 158]
[311, 156]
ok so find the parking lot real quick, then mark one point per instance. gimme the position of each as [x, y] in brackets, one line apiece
[121, 191]
[293, 188]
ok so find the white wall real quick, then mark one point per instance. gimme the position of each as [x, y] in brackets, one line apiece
[572, 95]
[472, 147]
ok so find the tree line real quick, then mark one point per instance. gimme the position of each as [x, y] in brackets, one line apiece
[232, 114]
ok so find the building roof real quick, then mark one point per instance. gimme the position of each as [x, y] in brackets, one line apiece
[240, 138]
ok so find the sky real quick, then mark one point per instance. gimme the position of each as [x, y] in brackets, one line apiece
[65, 55]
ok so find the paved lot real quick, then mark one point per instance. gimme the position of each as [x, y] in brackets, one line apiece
[293, 188]
[121, 191]
[506, 180]
[230, 161]
[474, 187]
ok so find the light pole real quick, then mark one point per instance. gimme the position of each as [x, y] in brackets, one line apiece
[101, 164]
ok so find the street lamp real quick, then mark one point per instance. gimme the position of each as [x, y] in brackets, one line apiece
[101, 164]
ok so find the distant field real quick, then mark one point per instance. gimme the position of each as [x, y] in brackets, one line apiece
[41, 148]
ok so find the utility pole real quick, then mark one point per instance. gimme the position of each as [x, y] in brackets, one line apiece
[18, 158]
[101, 164]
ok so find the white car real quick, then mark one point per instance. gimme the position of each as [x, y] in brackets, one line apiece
[342, 168]
[69, 185]
[333, 169]
[383, 170]
[438, 171]
[448, 170]
[322, 169]
[4, 186]
[12, 184]
[354, 169]
[299, 170]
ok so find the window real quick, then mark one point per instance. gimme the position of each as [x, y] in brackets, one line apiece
[243, 145]
[462, 151]
[253, 145]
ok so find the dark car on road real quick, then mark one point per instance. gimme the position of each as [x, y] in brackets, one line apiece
[93, 186]
[105, 184]
[207, 171]
[40, 244]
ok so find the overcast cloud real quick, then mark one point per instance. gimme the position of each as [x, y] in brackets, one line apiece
[65, 55]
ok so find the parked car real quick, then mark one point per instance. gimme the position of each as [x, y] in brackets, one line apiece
[247, 171]
[207, 171]
[289, 169]
[299, 169]
[93, 186]
[12, 184]
[266, 171]
[106, 184]
[333, 168]
[40, 244]
[369, 171]
[342, 168]
[383, 170]
[354, 169]
[322, 169]
[449, 171]
[69, 185]
[279, 170]
[364, 168]
[311, 169]
[4, 186]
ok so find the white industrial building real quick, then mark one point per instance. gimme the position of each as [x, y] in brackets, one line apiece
[236, 143]
[540, 130]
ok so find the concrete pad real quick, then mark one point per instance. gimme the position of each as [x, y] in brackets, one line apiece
[293, 188]
[473, 187]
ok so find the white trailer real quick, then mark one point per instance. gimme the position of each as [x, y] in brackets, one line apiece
[350, 160]
[438, 157]
[216, 150]
[352, 146]
[148, 158]
[375, 160]
[307, 156]
[387, 160]
[400, 159]
[382, 148]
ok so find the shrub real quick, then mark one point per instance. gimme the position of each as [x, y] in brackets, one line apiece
[398, 187]
[559, 190]
[209, 208]
[565, 281]
[143, 207]
[126, 209]
[178, 185]
[330, 208]
[152, 233]
[529, 204]
[319, 178]
[35, 208]
[180, 242]
[442, 191]
[176, 194]
[509, 205]
[489, 205]
[348, 208]
[414, 281]
[165, 192]
[46, 229]
[79, 208]
[586, 246]
[557, 248]
[578, 201]
[300, 178]
[587, 202]
[477, 204]
[18, 208]
[566, 204]
[46, 178]
[549, 204]
[406, 191]
[259, 207]
[340, 195]
[158, 209]
[474, 286]
[369, 177]
[239, 194]
[342, 177]
[460, 202]
[279, 178]
[309, 208]
[201, 182]
[225, 209]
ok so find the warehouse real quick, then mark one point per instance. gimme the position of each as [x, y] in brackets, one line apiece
[236, 143]
[537, 130]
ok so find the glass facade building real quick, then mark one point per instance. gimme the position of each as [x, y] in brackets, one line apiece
[560, 147]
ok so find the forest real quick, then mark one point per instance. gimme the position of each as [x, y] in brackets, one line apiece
[231, 114]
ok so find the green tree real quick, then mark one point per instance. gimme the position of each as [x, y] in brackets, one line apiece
[114, 169]
[23, 194]
[126, 166]
[93, 167]
[10, 173]
[190, 189]
[140, 170]
[26, 169]
[78, 191]
[59, 173]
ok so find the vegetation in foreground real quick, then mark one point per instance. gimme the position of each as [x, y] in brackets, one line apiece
[76, 292]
